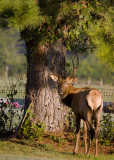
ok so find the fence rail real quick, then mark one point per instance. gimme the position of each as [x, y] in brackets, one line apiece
[108, 97]
[4, 92]
[108, 106]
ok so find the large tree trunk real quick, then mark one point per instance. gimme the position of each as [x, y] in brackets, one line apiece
[41, 91]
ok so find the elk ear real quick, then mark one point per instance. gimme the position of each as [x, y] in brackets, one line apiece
[53, 77]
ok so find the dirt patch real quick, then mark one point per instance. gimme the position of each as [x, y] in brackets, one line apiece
[64, 142]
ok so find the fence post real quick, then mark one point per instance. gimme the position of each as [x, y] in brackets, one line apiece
[89, 80]
[101, 82]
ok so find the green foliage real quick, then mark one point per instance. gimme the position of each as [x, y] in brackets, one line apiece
[57, 139]
[13, 86]
[101, 34]
[91, 67]
[72, 121]
[8, 115]
[84, 26]
[11, 53]
[21, 14]
[9, 110]
[106, 130]
[3, 116]
[29, 129]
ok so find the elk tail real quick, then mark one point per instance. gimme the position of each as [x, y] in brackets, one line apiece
[91, 130]
[92, 133]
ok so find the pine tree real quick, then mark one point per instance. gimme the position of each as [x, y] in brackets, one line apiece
[48, 27]
[101, 33]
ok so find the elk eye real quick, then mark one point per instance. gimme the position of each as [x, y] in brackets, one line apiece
[58, 81]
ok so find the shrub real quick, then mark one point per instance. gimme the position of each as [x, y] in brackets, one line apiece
[106, 130]
[29, 129]
[3, 116]
[8, 113]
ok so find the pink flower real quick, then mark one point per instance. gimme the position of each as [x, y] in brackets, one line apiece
[16, 104]
[7, 103]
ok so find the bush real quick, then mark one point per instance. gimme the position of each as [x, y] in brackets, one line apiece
[3, 116]
[106, 130]
[8, 113]
[29, 129]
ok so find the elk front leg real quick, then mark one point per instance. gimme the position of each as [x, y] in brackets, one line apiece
[76, 135]
[85, 137]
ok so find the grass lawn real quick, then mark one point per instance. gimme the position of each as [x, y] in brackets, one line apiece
[21, 149]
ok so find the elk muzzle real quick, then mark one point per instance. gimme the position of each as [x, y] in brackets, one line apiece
[60, 91]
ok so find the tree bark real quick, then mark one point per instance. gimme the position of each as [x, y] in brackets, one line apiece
[41, 91]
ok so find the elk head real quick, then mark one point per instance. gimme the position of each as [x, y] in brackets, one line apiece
[64, 84]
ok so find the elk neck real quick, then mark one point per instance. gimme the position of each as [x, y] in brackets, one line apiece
[71, 92]
[72, 89]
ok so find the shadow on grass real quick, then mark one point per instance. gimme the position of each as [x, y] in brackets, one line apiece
[24, 142]
[34, 144]
[42, 146]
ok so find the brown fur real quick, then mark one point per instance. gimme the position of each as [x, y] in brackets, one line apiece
[86, 104]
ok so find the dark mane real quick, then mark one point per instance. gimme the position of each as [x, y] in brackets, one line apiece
[68, 99]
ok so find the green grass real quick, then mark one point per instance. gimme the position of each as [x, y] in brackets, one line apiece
[5, 81]
[30, 150]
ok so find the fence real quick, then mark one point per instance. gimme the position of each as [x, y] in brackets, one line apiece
[15, 114]
[4, 91]
[11, 115]
[108, 98]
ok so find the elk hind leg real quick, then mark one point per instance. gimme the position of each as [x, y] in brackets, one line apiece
[97, 116]
[91, 133]
[97, 121]
[76, 135]
[85, 137]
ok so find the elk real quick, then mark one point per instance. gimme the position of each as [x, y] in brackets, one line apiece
[86, 103]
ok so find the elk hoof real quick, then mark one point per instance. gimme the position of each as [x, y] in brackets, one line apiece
[74, 153]
[87, 154]
[96, 155]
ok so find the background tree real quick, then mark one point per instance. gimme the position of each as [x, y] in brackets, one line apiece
[101, 32]
[12, 49]
[47, 26]
[92, 67]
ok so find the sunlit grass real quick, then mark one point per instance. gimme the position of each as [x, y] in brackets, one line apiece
[31, 150]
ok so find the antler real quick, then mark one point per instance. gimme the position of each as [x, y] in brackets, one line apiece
[75, 68]
[53, 66]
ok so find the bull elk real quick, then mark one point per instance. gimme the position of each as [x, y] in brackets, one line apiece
[86, 103]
